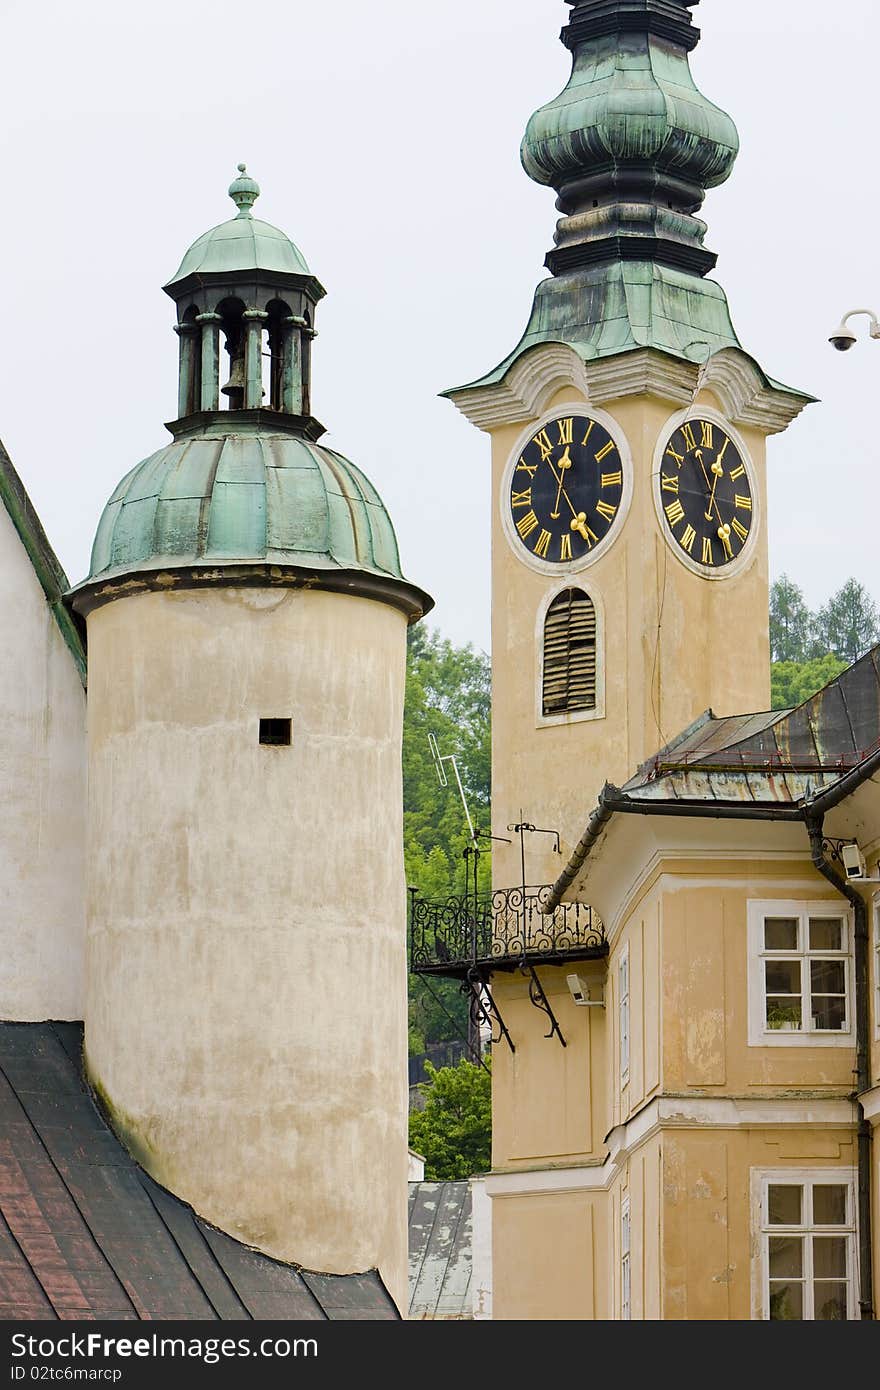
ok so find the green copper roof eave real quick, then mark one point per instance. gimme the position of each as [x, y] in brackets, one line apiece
[46, 565]
[242, 243]
[625, 306]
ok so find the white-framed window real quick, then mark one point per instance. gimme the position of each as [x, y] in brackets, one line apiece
[800, 974]
[625, 1262]
[805, 1223]
[623, 1015]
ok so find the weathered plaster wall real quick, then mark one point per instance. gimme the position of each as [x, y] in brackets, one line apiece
[675, 644]
[550, 1257]
[42, 783]
[246, 997]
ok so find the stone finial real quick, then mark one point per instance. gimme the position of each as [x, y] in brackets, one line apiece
[244, 191]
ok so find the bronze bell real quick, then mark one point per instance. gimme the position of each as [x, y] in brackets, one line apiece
[234, 387]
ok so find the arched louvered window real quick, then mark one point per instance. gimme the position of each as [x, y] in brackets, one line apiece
[570, 653]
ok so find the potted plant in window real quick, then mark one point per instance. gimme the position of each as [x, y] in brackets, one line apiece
[786, 1017]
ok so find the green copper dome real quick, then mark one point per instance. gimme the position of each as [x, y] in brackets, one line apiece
[242, 243]
[252, 497]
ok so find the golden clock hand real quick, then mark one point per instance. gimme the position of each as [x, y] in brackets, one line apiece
[558, 477]
[718, 472]
[579, 524]
[724, 537]
[564, 462]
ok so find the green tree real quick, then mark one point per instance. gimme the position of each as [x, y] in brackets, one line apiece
[847, 624]
[790, 622]
[454, 1130]
[792, 682]
[448, 694]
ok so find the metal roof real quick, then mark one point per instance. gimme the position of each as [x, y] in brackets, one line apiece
[249, 496]
[85, 1234]
[243, 243]
[774, 765]
[440, 1253]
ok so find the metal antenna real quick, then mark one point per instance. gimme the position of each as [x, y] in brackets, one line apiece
[441, 777]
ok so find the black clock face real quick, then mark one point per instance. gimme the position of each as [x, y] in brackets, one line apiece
[566, 489]
[706, 494]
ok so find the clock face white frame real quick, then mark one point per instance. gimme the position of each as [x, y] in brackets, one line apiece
[522, 553]
[746, 556]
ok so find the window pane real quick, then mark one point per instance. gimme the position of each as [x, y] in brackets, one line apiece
[786, 1256]
[829, 1012]
[783, 976]
[829, 1257]
[786, 1302]
[784, 1204]
[826, 934]
[829, 1205]
[828, 976]
[780, 934]
[784, 1013]
[830, 1302]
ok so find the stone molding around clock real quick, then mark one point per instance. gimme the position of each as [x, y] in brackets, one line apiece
[748, 552]
[572, 567]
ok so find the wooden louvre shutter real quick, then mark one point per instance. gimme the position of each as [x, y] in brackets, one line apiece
[570, 653]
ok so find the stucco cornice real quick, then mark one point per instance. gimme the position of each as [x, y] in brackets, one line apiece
[744, 394]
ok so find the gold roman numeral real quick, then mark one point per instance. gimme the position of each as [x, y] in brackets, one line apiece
[566, 431]
[542, 544]
[521, 499]
[605, 509]
[543, 442]
[679, 458]
[740, 530]
[708, 557]
[687, 434]
[605, 451]
[708, 434]
[565, 546]
[738, 472]
[675, 512]
[588, 433]
[530, 468]
[743, 504]
[669, 482]
[527, 524]
[687, 538]
[612, 479]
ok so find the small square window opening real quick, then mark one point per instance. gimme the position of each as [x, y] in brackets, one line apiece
[276, 732]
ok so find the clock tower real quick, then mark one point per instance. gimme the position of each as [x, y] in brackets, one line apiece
[628, 428]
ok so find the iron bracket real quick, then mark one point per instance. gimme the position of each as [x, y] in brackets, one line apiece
[540, 1001]
[485, 1010]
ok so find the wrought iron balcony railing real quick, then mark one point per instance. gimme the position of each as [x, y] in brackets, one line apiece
[502, 931]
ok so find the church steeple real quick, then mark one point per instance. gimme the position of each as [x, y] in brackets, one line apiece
[630, 144]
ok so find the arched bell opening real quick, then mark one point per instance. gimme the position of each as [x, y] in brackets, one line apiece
[308, 334]
[232, 325]
[281, 360]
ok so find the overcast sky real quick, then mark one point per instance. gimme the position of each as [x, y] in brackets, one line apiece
[386, 140]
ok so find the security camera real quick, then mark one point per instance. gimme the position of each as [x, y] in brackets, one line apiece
[853, 862]
[579, 989]
[842, 338]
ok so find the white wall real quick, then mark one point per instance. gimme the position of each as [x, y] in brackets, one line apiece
[42, 800]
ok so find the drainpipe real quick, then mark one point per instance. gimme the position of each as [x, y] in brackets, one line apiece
[814, 824]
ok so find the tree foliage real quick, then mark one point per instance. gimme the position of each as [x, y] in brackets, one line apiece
[454, 1130]
[810, 649]
[791, 622]
[792, 682]
[448, 694]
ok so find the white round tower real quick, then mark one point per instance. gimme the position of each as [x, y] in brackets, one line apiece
[245, 1021]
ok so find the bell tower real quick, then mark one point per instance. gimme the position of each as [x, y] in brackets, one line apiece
[628, 427]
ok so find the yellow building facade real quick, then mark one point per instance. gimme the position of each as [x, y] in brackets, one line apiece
[682, 982]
